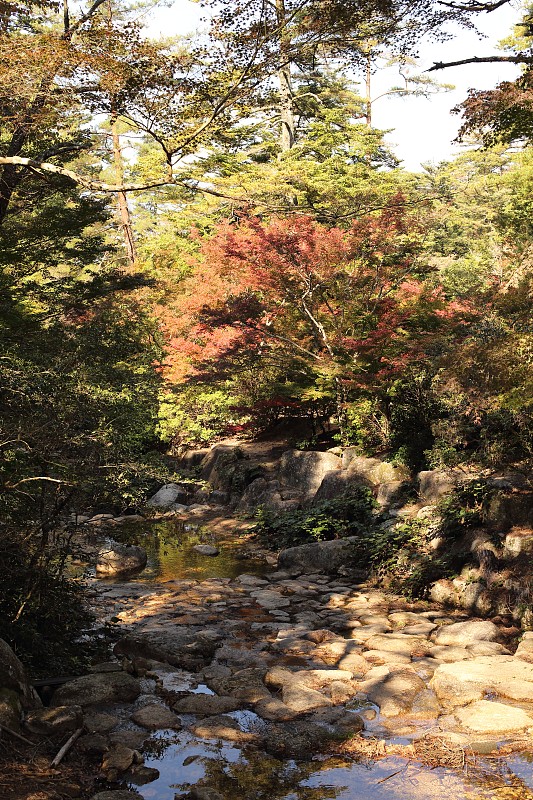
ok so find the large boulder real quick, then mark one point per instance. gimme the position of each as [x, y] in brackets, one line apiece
[167, 495]
[338, 482]
[373, 470]
[508, 509]
[317, 556]
[120, 559]
[462, 634]
[13, 676]
[305, 470]
[436, 483]
[260, 493]
[98, 689]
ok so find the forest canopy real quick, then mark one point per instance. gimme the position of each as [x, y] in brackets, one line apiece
[204, 235]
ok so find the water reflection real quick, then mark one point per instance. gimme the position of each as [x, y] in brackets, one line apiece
[169, 545]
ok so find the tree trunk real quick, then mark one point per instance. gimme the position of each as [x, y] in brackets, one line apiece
[288, 126]
[368, 93]
[124, 210]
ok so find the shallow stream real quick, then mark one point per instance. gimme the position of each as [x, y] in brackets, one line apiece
[243, 773]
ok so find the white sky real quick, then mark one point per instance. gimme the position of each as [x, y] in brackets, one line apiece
[423, 129]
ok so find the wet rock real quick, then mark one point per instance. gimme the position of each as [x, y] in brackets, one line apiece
[465, 633]
[156, 717]
[251, 580]
[54, 721]
[93, 744]
[98, 689]
[189, 651]
[274, 710]
[246, 685]
[117, 760]
[305, 471]
[324, 556]
[169, 494]
[132, 739]
[117, 794]
[120, 559]
[491, 717]
[467, 681]
[300, 740]
[99, 722]
[225, 728]
[204, 793]
[141, 775]
[206, 550]
[206, 705]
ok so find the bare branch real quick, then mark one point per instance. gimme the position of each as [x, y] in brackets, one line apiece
[473, 6]
[520, 58]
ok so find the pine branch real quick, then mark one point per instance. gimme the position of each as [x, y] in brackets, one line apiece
[520, 58]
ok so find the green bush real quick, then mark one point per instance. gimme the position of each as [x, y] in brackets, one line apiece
[347, 515]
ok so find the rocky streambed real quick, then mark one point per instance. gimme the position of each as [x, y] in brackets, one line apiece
[300, 687]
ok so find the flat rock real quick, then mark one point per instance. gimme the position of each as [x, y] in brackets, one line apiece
[490, 717]
[270, 600]
[54, 721]
[167, 495]
[206, 550]
[279, 677]
[97, 689]
[301, 699]
[400, 643]
[461, 683]
[156, 717]
[274, 710]
[120, 559]
[189, 651]
[301, 740]
[465, 633]
[225, 728]
[393, 690]
[207, 705]
[117, 794]
[245, 684]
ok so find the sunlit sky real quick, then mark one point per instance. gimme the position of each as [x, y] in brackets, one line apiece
[423, 129]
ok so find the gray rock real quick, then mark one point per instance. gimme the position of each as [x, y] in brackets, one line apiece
[508, 509]
[301, 699]
[169, 494]
[322, 556]
[225, 728]
[261, 492]
[204, 793]
[117, 760]
[54, 721]
[305, 471]
[246, 685]
[338, 482]
[300, 740]
[156, 717]
[99, 722]
[206, 549]
[393, 690]
[374, 470]
[517, 542]
[434, 484]
[491, 717]
[13, 676]
[463, 682]
[117, 794]
[98, 689]
[10, 709]
[465, 633]
[120, 559]
[189, 651]
[393, 493]
[206, 705]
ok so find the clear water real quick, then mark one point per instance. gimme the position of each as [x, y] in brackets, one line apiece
[170, 548]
